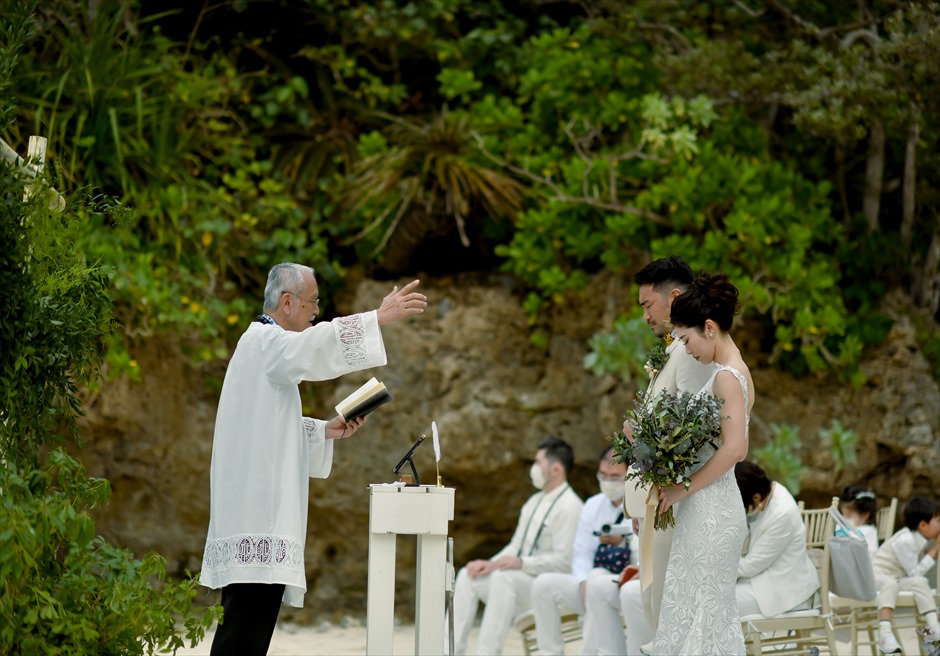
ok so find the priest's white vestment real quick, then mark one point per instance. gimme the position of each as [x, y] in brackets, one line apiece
[264, 450]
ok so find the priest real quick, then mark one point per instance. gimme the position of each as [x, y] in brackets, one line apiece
[264, 450]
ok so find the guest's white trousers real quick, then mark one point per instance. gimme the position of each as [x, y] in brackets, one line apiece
[553, 594]
[506, 593]
[612, 611]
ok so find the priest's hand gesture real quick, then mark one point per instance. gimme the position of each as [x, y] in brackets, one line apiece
[401, 303]
[338, 428]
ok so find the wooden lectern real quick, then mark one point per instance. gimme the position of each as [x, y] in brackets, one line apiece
[423, 511]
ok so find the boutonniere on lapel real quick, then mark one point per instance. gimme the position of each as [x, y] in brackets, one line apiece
[656, 359]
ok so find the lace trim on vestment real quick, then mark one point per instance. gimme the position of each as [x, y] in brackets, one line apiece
[352, 339]
[313, 432]
[253, 550]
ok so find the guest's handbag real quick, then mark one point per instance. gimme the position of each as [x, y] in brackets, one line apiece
[850, 572]
[612, 558]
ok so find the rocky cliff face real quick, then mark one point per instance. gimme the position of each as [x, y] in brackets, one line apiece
[468, 364]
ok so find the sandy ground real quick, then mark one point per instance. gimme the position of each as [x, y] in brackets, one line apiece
[295, 640]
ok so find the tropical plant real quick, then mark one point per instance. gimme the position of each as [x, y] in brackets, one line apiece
[622, 350]
[779, 458]
[422, 181]
[841, 442]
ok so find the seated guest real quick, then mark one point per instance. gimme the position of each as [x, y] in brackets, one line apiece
[858, 505]
[614, 611]
[541, 543]
[902, 563]
[775, 574]
[593, 556]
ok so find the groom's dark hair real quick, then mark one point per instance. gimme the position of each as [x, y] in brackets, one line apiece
[664, 274]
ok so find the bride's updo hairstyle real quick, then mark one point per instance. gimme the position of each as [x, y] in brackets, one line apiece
[710, 296]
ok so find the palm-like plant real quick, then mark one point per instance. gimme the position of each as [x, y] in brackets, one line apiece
[100, 91]
[427, 183]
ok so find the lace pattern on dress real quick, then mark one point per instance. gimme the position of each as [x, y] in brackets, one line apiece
[699, 613]
[352, 337]
[253, 550]
[313, 431]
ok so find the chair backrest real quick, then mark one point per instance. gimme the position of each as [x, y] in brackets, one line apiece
[885, 519]
[820, 526]
[816, 521]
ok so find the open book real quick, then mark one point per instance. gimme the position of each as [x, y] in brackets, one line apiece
[364, 400]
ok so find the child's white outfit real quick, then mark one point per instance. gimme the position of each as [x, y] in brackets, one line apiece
[899, 567]
[870, 533]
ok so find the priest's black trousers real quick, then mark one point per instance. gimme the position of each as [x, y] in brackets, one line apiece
[248, 620]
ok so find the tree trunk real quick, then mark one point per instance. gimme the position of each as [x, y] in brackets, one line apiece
[910, 178]
[930, 280]
[840, 182]
[874, 174]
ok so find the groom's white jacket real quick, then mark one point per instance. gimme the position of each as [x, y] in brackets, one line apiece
[681, 373]
[781, 572]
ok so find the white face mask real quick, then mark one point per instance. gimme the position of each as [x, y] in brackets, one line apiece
[751, 516]
[613, 490]
[536, 476]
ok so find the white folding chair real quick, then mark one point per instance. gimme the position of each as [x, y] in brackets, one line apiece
[525, 625]
[796, 632]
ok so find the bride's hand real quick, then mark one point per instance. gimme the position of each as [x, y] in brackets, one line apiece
[670, 496]
[628, 430]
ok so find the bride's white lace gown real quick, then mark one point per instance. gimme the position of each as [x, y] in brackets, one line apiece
[699, 612]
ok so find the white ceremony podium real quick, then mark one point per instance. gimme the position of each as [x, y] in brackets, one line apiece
[422, 511]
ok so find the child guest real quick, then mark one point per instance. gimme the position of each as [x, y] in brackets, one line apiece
[858, 504]
[900, 564]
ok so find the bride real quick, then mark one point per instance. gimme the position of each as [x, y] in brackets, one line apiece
[699, 613]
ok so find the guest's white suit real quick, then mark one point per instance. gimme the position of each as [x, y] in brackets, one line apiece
[681, 373]
[776, 572]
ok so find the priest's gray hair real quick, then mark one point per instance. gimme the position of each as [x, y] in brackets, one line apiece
[284, 277]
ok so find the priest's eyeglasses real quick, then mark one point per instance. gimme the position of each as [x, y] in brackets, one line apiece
[611, 478]
[312, 301]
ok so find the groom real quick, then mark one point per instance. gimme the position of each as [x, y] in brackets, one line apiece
[660, 282]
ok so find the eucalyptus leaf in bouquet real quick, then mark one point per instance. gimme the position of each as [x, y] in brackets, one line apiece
[668, 434]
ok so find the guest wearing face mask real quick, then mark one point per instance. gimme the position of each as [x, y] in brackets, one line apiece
[541, 543]
[594, 557]
[775, 573]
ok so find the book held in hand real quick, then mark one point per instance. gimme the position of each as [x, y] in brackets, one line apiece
[364, 400]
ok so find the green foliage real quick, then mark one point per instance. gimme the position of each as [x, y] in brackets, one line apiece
[65, 590]
[841, 442]
[14, 30]
[69, 592]
[126, 114]
[778, 457]
[637, 129]
[621, 351]
[54, 307]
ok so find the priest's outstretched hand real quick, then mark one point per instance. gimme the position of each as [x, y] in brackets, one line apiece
[401, 303]
[338, 428]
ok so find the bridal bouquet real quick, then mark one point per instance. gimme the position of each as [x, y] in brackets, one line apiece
[668, 432]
